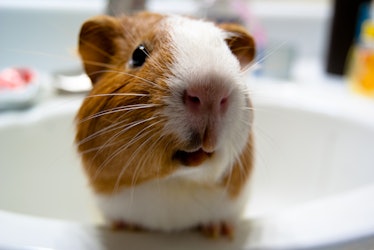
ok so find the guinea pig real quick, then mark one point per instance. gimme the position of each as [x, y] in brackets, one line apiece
[165, 135]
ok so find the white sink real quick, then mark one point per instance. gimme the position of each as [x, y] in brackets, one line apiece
[313, 185]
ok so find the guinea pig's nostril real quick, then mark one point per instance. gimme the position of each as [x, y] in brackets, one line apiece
[194, 99]
[224, 101]
[201, 99]
[190, 99]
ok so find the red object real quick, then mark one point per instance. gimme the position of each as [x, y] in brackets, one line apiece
[15, 78]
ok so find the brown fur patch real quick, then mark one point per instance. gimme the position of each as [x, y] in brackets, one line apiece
[240, 42]
[135, 150]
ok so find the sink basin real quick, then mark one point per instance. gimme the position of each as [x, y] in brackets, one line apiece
[313, 184]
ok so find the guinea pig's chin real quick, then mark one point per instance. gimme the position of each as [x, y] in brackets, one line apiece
[192, 158]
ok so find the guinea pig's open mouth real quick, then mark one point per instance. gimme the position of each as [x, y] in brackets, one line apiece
[192, 159]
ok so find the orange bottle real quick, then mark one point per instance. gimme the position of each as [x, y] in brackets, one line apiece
[362, 67]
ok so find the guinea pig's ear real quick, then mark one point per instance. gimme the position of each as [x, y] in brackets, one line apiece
[240, 42]
[98, 42]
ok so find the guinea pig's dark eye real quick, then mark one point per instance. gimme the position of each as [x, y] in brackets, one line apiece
[139, 56]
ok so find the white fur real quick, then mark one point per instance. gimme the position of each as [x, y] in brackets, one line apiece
[171, 205]
[192, 195]
[200, 52]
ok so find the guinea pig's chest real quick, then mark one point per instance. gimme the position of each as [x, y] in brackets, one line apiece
[170, 205]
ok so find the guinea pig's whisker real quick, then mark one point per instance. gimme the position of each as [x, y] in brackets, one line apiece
[131, 159]
[116, 94]
[245, 48]
[140, 164]
[243, 173]
[245, 122]
[103, 131]
[249, 67]
[131, 75]
[265, 136]
[137, 137]
[143, 79]
[112, 69]
[94, 149]
[115, 126]
[268, 53]
[119, 109]
[108, 143]
[166, 144]
[130, 126]
[122, 131]
[229, 180]
[248, 108]
[236, 151]
[95, 48]
[115, 154]
[101, 64]
[140, 135]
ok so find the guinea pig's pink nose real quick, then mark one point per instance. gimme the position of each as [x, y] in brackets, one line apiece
[205, 99]
[206, 104]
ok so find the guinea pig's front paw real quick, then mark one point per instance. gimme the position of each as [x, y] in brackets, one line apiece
[122, 225]
[218, 229]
